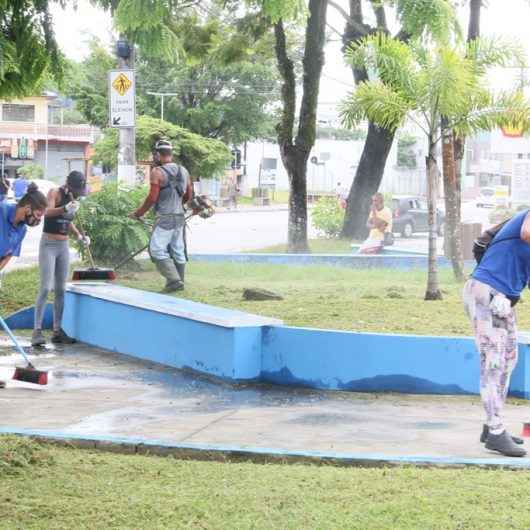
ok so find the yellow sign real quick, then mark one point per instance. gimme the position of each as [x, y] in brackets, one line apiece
[512, 132]
[121, 84]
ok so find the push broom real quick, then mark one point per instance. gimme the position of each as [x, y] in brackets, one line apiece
[28, 374]
[93, 272]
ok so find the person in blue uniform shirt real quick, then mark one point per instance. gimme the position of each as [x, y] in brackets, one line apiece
[14, 220]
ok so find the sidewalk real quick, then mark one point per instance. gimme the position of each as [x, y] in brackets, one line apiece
[94, 394]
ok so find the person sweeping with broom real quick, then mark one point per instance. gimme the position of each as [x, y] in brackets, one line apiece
[489, 298]
[54, 254]
[170, 188]
[14, 220]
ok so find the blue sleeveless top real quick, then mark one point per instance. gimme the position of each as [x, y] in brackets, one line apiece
[506, 264]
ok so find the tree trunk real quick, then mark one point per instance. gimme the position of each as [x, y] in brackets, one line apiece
[295, 154]
[433, 290]
[367, 181]
[452, 234]
[459, 144]
[378, 142]
[473, 29]
[295, 162]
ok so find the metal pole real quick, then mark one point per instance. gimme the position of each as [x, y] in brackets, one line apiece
[46, 155]
[127, 136]
[162, 107]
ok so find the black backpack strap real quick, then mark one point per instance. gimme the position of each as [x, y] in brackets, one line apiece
[180, 192]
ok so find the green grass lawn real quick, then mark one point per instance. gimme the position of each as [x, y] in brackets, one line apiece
[61, 488]
[323, 297]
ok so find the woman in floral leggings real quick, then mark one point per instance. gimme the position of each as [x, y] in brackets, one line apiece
[489, 298]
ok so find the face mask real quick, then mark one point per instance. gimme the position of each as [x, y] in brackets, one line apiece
[31, 220]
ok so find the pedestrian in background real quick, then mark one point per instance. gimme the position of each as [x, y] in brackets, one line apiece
[20, 186]
[4, 187]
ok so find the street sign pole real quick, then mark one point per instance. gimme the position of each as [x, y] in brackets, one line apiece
[123, 115]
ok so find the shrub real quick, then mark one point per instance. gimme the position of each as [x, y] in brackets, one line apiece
[500, 214]
[104, 218]
[328, 216]
[31, 171]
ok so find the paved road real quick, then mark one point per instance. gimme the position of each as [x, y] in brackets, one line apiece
[236, 231]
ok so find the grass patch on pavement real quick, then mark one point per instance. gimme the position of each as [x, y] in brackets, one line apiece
[386, 301]
[85, 489]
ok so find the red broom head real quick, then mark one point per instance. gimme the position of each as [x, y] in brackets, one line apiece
[93, 274]
[29, 375]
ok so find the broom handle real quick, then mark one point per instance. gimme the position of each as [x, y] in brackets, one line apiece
[15, 341]
[83, 233]
[88, 251]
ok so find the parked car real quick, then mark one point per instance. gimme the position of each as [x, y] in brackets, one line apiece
[410, 215]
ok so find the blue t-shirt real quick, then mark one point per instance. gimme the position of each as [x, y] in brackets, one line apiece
[11, 236]
[20, 186]
[506, 264]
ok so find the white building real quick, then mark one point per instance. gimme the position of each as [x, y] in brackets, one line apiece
[332, 165]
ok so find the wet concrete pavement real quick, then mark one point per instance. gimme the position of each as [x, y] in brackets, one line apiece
[97, 393]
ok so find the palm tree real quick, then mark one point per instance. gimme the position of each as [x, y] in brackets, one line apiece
[423, 83]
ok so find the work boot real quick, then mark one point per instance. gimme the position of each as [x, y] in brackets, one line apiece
[486, 430]
[503, 444]
[167, 269]
[60, 337]
[181, 268]
[37, 338]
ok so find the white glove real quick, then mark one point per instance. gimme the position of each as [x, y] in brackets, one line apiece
[72, 207]
[500, 306]
[84, 240]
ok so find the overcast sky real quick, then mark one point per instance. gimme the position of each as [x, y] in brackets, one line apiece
[502, 17]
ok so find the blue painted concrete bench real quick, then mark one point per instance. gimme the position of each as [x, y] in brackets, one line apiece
[168, 330]
[240, 347]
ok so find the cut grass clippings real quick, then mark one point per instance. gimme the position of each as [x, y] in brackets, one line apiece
[385, 301]
[85, 489]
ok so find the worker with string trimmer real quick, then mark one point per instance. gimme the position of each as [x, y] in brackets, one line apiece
[170, 188]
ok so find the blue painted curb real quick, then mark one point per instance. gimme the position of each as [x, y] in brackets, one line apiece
[227, 452]
[24, 318]
[351, 261]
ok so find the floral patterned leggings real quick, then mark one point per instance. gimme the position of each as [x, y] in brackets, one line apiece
[496, 340]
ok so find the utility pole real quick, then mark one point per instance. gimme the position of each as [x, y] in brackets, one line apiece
[161, 95]
[127, 135]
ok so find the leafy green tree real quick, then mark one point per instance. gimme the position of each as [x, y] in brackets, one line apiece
[28, 50]
[87, 84]
[297, 140]
[423, 83]
[203, 157]
[415, 18]
[224, 81]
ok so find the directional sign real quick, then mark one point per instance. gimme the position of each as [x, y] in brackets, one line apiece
[122, 109]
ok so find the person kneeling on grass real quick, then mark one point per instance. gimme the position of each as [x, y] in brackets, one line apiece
[379, 223]
[14, 220]
[54, 254]
[489, 299]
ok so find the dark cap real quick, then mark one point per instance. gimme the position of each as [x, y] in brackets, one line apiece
[163, 145]
[76, 181]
